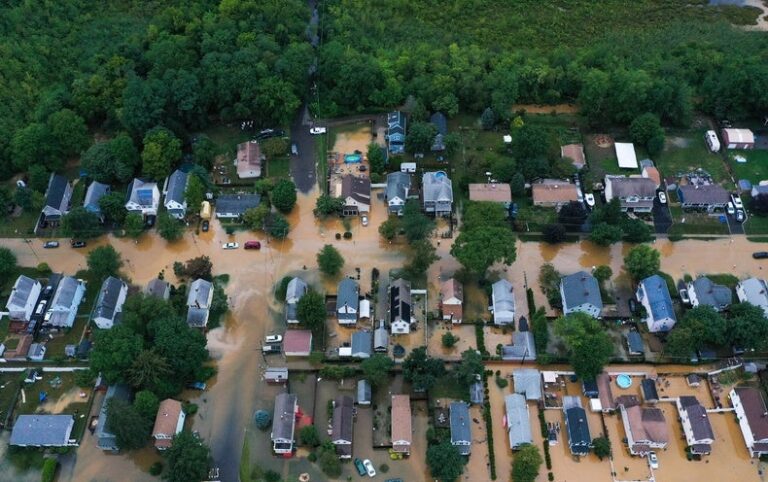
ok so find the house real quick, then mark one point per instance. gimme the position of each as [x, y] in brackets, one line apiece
[297, 342]
[363, 392]
[703, 291]
[554, 193]
[527, 381]
[293, 293]
[491, 192]
[36, 352]
[361, 342]
[143, 197]
[58, 197]
[248, 160]
[342, 426]
[398, 187]
[441, 124]
[437, 192]
[635, 194]
[518, 423]
[452, 300]
[106, 440]
[356, 193]
[648, 389]
[653, 294]
[93, 194]
[580, 292]
[199, 300]
[753, 291]
[709, 197]
[381, 338]
[577, 426]
[401, 424]
[233, 206]
[276, 375]
[607, 402]
[461, 427]
[175, 190]
[696, 426]
[625, 153]
[635, 343]
[168, 422]
[109, 304]
[693, 380]
[650, 172]
[158, 288]
[347, 301]
[503, 302]
[574, 152]
[63, 307]
[750, 408]
[284, 423]
[646, 429]
[400, 314]
[40, 430]
[24, 295]
[738, 138]
[396, 126]
[522, 347]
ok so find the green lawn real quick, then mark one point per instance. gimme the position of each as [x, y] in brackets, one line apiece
[756, 225]
[279, 168]
[9, 384]
[676, 160]
[447, 387]
[55, 347]
[533, 218]
[754, 170]
[53, 391]
[19, 226]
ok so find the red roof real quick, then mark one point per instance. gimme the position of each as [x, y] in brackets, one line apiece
[297, 342]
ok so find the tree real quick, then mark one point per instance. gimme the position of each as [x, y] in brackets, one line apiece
[142, 312]
[636, 231]
[759, 204]
[148, 370]
[22, 196]
[274, 147]
[525, 467]
[146, 403]
[169, 227]
[161, 150]
[200, 267]
[254, 217]
[644, 127]
[114, 351]
[449, 340]
[421, 370]
[184, 348]
[420, 137]
[589, 346]
[80, 223]
[483, 213]
[478, 249]
[204, 152]
[30, 145]
[277, 226]
[131, 430]
[553, 233]
[572, 214]
[642, 261]
[329, 260]
[445, 462]
[134, 225]
[540, 330]
[414, 223]
[327, 205]
[113, 209]
[423, 254]
[38, 177]
[104, 261]
[530, 142]
[389, 228]
[517, 184]
[188, 458]
[376, 369]
[602, 273]
[747, 327]
[309, 436]
[329, 461]
[604, 234]
[602, 447]
[608, 213]
[488, 119]
[377, 158]
[310, 310]
[283, 195]
[471, 365]
[111, 161]
[8, 264]
[549, 280]
[194, 194]
[48, 473]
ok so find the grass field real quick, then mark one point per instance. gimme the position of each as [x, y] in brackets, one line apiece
[754, 170]
[690, 153]
[279, 168]
[55, 347]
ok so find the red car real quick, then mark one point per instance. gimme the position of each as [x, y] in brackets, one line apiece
[252, 245]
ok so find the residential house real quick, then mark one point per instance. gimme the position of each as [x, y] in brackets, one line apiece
[580, 292]
[158, 288]
[109, 304]
[518, 421]
[24, 295]
[276, 375]
[577, 426]
[363, 392]
[36, 352]
[293, 293]
[356, 193]
[575, 153]
[452, 300]
[381, 338]
[342, 426]
[143, 197]
[738, 138]
[625, 153]
[105, 439]
[649, 391]
[503, 299]
[635, 344]
[441, 124]
[347, 301]
[753, 291]
[58, 198]
[40, 430]
[704, 291]
[605, 393]
[175, 190]
[750, 408]
[653, 294]
[554, 193]
[635, 194]
[284, 423]
[297, 342]
[168, 422]
[759, 190]
[437, 192]
[696, 426]
[396, 127]
[400, 312]
[491, 192]
[398, 188]
[63, 307]
[693, 380]
[361, 342]
[233, 206]
[650, 172]
[461, 427]
[401, 424]
[199, 300]
[646, 429]
[705, 197]
[527, 381]
[248, 160]
[93, 194]
[522, 347]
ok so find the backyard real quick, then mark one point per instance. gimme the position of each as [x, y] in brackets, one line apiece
[686, 152]
[754, 170]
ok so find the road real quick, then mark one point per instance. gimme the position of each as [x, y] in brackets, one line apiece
[303, 169]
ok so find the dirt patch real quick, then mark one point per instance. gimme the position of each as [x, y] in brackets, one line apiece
[546, 109]
[603, 141]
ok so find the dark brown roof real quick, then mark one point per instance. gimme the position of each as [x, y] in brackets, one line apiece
[342, 419]
[755, 410]
[358, 188]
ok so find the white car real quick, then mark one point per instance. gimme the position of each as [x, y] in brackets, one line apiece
[589, 198]
[369, 468]
[662, 197]
[273, 338]
[653, 460]
[318, 130]
[737, 202]
[230, 245]
[729, 209]
[364, 220]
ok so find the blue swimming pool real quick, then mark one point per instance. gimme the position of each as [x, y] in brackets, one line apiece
[624, 381]
[352, 158]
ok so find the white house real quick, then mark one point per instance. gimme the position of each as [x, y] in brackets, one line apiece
[293, 293]
[168, 422]
[580, 292]
[653, 294]
[110, 302]
[398, 187]
[143, 197]
[749, 405]
[199, 301]
[503, 297]
[753, 291]
[175, 194]
[23, 297]
[63, 309]
[400, 310]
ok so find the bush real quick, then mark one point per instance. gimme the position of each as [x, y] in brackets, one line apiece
[156, 469]
[189, 408]
[384, 468]
[44, 269]
[312, 457]
[449, 340]
[551, 477]
[347, 234]
[49, 470]
[501, 382]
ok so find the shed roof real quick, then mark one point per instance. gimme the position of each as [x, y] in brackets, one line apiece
[635, 342]
[363, 391]
[380, 337]
[297, 287]
[522, 347]
[625, 152]
[648, 386]
[740, 136]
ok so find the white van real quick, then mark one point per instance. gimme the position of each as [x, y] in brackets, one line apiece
[712, 141]
[408, 167]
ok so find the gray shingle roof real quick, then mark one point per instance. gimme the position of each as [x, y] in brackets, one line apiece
[476, 394]
[361, 343]
[95, 192]
[199, 292]
[578, 426]
[42, 430]
[710, 293]
[755, 292]
[648, 388]
[438, 120]
[503, 296]
[518, 420]
[342, 425]
[631, 186]
[635, 342]
[580, 288]
[657, 292]
[527, 381]
[400, 300]
[56, 195]
[106, 304]
[358, 188]
[381, 337]
[348, 295]
[177, 185]
[437, 187]
[21, 292]
[65, 293]
[236, 204]
[295, 290]
[363, 392]
[704, 194]
[284, 418]
[522, 347]
[157, 288]
[398, 185]
[461, 430]
[697, 414]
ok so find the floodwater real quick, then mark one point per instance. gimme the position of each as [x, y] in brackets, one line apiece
[74, 395]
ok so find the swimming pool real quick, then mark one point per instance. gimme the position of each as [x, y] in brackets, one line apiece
[624, 381]
[352, 158]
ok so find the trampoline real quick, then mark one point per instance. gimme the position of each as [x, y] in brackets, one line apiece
[624, 381]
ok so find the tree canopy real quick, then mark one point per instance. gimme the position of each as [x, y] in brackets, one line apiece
[376, 369]
[526, 465]
[329, 260]
[421, 370]
[283, 195]
[104, 261]
[589, 345]
[445, 462]
[188, 458]
[642, 261]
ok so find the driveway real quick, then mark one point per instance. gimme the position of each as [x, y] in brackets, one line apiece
[303, 166]
[662, 218]
[734, 226]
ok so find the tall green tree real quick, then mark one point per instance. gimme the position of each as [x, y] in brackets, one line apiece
[747, 326]
[148, 370]
[283, 195]
[161, 151]
[133, 225]
[642, 261]
[329, 260]
[8, 263]
[81, 223]
[310, 310]
[113, 209]
[527, 463]
[376, 369]
[421, 370]
[169, 227]
[480, 248]
[604, 234]
[188, 459]
[194, 194]
[104, 261]
[423, 254]
[146, 403]
[420, 137]
[131, 430]
[414, 223]
[469, 368]
[114, 351]
[589, 345]
[445, 462]
[68, 132]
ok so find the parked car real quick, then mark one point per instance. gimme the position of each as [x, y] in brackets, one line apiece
[740, 215]
[730, 209]
[78, 244]
[369, 468]
[197, 386]
[662, 197]
[252, 245]
[318, 130]
[589, 198]
[270, 349]
[760, 255]
[653, 460]
[230, 245]
[273, 338]
[294, 150]
[364, 220]
[737, 201]
[206, 225]
[684, 296]
[51, 244]
[360, 467]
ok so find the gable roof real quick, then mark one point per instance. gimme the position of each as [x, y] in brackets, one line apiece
[710, 293]
[56, 194]
[358, 188]
[527, 381]
[657, 293]
[755, 410]
[400, 300]
[348, 294]
[395, 119]
[580, 288]
[635, 342]
[177, 185]
[503, 296]
[705, 194]
[342, 423]
[284, 417]
[437, 187]
[518, 420]
[142, 192]
[401, 418]
[476, 394]
[157, 288]
[106, 304]
[624, 187]
[21, 292]
[167, 418]
[236, 203]
[297, 287]
[646, 424]
[361, 342]
[297, 341]
[363, 391]
[66, 292]
[697, 414]
[398, 185]
[381, 337]
[549, 191]
[522, 347]
[451, 288]
[93, 194]
[461, 430]
[494, 192]
[106, 440]
[653, 174]
[199, 293]
[578, 427]
[42, 430]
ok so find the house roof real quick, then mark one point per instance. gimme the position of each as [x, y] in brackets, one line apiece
[21, 292]
[106, 304]
[452, 288]
[348, 294]
[120, 392]
[177, 185]
[297, 341]
[361, 343]
[476, 394]
[648, 386]
[575, 152]
[740, 136]
[236, 203]
[167, 418]
[503, 296]
[400, 300]
[279, 374]
[56, 195]
[39, 429]
[755, 291]
[755, 410]
[625, 152]
[580, 288]
[95, 192]
[703, 194]
[518, 420]
[697, 414]
[437, 187]
[461, 431]
[522, 347]
[284, 417]
[358, 188]
[363, 391]
[635, 342]
[381, 336]
[495, 192]
[438, 120]
[199, 293]
[395, 119]
[297, 287]
[527, 381]
[142, 192]
[623, 187]
[398, 185]
[65, 293]
[653, 174]
[554, 191]
[342, 425]
[157, 288]
[590, 388]
[605, 392]
[578, 429]
[657, 293]
[646, 424]
[401, 418]
[36, 350]
[711, 293]
[248, 157]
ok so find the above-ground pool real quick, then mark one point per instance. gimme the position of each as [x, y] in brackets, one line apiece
[352, 158]
[624, 381]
